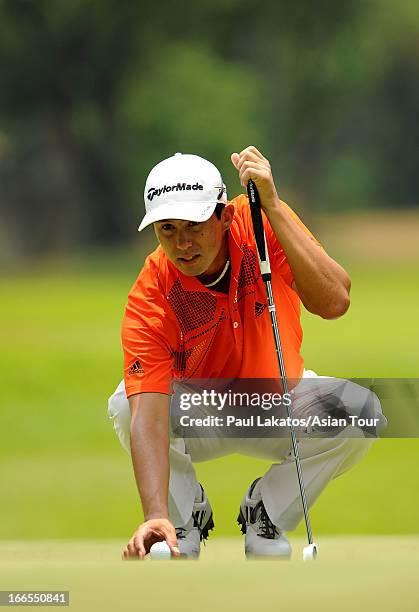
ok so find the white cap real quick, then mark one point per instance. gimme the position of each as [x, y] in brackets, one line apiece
[182, 187]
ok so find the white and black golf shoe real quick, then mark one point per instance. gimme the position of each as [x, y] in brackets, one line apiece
[263, 538]
[197, 529]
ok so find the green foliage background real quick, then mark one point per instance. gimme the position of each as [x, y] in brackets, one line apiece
[93, 93]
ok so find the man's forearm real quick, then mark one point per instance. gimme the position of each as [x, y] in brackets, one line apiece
[150, 458]
[322, 283]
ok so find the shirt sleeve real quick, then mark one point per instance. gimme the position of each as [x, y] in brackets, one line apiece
[146, 338]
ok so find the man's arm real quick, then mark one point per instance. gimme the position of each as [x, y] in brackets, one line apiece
[322, 284]
[150, 459]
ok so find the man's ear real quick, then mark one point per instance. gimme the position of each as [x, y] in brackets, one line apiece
[227, 215]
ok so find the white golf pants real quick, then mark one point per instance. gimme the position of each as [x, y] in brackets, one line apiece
[321, 458]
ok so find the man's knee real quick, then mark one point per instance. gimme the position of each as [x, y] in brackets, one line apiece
[362, 402]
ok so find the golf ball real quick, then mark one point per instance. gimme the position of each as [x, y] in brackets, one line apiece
[160, 550]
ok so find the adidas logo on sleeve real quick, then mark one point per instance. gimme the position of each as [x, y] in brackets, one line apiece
[136, 368]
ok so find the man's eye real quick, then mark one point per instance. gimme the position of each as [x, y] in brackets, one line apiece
[166, 227]
[194, 223]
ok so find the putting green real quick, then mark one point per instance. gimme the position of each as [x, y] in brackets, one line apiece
[364, 573]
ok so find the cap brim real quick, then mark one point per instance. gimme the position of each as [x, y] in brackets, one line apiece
[195, 211]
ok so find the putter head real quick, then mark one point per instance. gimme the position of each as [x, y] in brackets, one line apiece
[310, 552]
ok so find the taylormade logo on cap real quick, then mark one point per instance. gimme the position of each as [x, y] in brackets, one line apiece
[157, 191]
[185, 187]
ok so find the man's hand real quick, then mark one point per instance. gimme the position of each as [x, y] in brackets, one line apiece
[147, 534]
[251, 164]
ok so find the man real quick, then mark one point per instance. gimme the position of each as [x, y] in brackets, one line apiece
[198, 310]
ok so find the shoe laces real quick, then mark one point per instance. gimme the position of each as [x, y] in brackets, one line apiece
[201, 519]
[266, 527]
[181, 533]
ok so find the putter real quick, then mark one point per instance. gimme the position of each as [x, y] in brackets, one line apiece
[310, 551]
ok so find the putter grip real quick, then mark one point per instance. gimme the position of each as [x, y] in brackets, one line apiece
[256, 211]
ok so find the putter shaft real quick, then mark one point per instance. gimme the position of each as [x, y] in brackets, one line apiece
[265, 269]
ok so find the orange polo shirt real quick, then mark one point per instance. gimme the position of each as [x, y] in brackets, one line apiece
[175, 328]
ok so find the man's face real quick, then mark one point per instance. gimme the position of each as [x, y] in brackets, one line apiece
[196, 248]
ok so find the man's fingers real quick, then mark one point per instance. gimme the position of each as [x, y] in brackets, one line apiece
[248, 155]
[134, 549]
[260, 167]
[127, 554]
[252, 173]
[245, 176]
[139, 546]
[253, 151]
[171, 541]
[249, 158]
[255, 168]
[235, 158]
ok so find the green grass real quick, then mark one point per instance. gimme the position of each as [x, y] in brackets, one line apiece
[62, 472]
[365, 573]
[93, 494]
[377, 336]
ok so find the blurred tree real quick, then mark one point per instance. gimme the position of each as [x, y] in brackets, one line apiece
[94, 92]
[64, 70]
[193, 102]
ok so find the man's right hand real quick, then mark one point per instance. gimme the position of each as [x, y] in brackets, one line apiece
[154, 530]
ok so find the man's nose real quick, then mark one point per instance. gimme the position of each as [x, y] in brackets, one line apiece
[183, 240]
